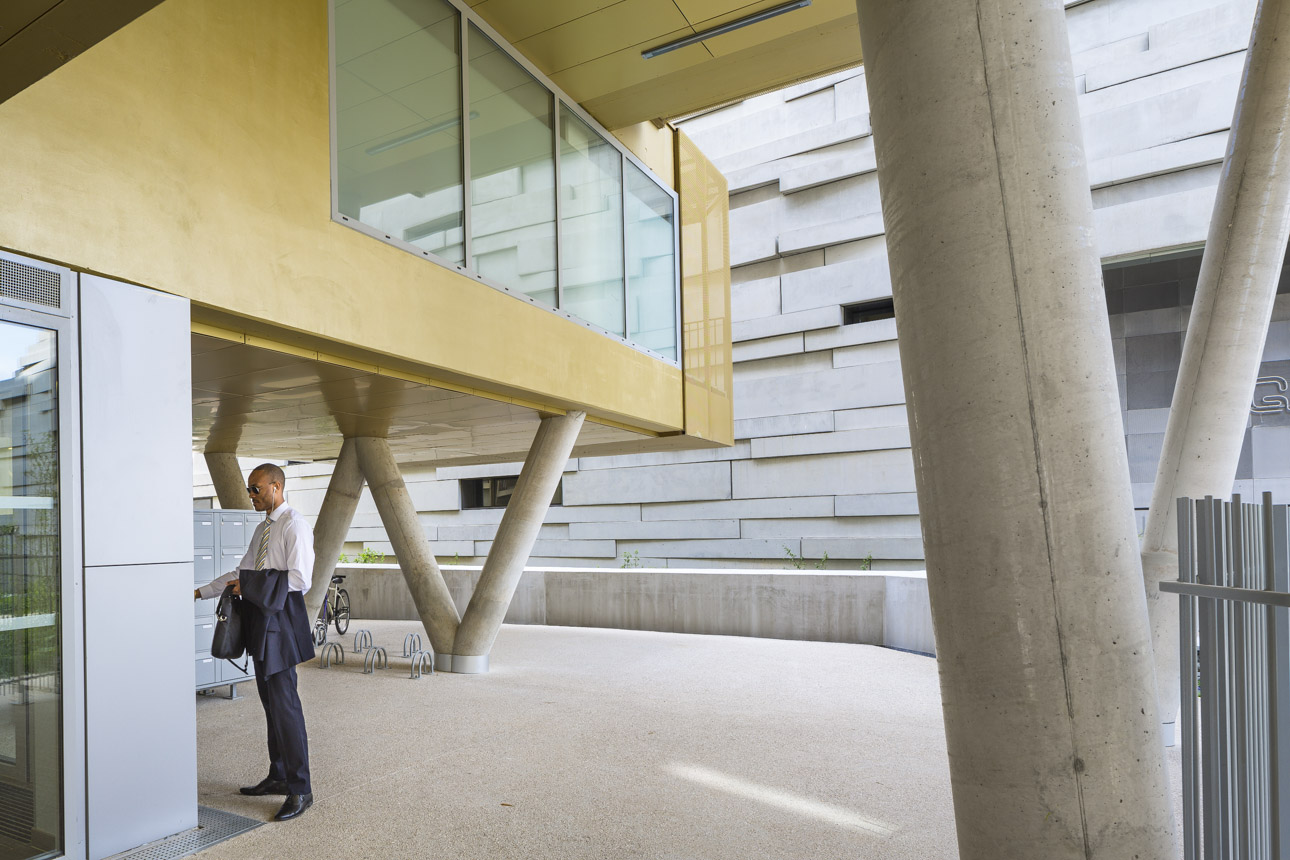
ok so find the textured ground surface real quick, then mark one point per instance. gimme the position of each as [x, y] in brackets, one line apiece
[604, 743]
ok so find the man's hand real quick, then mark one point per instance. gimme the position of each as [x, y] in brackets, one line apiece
[197, 594]
[237, 586]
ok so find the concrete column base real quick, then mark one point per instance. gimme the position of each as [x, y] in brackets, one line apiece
[442, 662]
[463, 665]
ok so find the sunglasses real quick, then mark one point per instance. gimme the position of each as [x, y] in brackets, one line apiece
[254, 489]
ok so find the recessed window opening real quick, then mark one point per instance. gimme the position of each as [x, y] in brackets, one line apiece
[496, 492]
[862, 312]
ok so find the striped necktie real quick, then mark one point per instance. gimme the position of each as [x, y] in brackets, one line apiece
[262, 554]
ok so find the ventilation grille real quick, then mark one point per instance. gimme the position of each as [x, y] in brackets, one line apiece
[30, 284]
[17, 813]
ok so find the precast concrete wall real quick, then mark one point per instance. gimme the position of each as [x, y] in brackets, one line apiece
[858, 607]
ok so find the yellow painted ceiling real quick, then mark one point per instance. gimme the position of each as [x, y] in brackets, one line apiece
[260, 402]
[592, 50]
[38, 36]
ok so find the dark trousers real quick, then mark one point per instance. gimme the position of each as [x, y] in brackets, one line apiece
[288, 745]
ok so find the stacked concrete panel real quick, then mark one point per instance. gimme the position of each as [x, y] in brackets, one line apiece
[822, 464]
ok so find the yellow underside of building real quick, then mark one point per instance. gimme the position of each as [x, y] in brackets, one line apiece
[190, 152]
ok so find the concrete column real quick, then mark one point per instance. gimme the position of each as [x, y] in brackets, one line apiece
[1228, 325]
[1023, 486]
[334, 518]
[529, 502]
[230, 483]
[420, 570]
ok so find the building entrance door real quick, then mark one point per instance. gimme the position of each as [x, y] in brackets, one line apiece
[31, 565]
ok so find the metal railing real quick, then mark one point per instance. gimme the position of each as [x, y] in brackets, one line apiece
[1234, 640]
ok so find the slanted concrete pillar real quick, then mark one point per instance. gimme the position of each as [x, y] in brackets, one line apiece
[1023, 486]
[1228, 326]
[524, 514]
[334, 518]
[230, 483]
[420, 570]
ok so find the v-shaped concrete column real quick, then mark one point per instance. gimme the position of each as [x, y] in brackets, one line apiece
[420, 570]
[1244, 252]
[1044, 651]
[230, 483]
[334, 519]
[543, 467]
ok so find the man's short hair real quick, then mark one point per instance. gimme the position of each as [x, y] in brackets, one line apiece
[273, 472]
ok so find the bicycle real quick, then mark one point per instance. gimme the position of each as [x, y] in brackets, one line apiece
[335, 610]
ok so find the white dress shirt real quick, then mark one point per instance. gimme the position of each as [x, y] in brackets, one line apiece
[291, 548]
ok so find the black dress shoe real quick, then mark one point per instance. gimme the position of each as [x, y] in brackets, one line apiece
[268, 785]
[295, 805]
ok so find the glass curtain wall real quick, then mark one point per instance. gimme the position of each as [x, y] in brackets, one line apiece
[30, 571]
[651, 264]
[478, 189]
[591, 225]
[398, 121]
[512, 172]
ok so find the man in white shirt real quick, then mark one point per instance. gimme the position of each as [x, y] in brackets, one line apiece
[278, 633]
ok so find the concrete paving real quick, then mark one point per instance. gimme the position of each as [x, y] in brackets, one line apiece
[589, 743]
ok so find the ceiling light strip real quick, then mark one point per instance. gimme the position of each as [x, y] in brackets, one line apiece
[729, 27]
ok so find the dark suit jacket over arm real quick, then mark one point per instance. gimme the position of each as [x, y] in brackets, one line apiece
[277, 627]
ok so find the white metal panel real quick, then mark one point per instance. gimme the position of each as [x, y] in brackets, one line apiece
[137, 424]
[141, 743]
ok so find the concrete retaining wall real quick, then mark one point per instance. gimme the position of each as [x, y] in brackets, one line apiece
[870, 608]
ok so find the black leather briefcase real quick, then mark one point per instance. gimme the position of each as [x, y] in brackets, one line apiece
[229, 641]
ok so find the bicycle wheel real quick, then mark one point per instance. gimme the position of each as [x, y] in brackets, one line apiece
[342, 611]
[320, 632]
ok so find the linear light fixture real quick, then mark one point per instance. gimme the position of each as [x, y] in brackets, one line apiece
[729, 27]
[418, 134]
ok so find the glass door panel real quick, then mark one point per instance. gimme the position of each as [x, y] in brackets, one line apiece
[30, 575]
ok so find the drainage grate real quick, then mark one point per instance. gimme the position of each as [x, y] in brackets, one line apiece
[213, 827]
[30, 284]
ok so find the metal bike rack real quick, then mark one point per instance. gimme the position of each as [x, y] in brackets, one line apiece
[376, 659]
[320, 628]
[362, 640]
[422, 660]
[411, 644]
[329, 650]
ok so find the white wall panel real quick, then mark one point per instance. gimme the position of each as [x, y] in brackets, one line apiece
[141, 742]
[803, 506]
[136, 391]
[860, 472]
[840, 388]
[684, 482]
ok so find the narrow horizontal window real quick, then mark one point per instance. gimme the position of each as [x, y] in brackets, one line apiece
[496, 492]
[862, 312]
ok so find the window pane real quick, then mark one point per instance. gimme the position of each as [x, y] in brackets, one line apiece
[30, 567]
[512, 172]
[591, 225]
[398, 121]
[651, 271]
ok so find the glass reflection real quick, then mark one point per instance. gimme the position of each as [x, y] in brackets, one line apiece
[651, 267]
[30, 669]
[512, 173]
[591, 225]
[398, 121]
